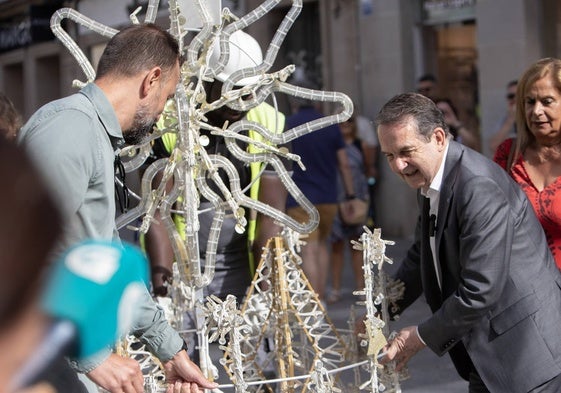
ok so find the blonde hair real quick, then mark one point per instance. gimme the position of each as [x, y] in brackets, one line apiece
[542, 68]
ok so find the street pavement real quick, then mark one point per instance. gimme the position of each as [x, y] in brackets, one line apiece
[428, 372]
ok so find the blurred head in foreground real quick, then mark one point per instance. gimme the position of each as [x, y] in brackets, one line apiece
[30, 225]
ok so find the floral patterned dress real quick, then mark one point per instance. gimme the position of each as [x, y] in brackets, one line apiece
[546, 203]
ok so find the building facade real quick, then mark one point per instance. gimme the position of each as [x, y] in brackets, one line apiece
[368, 49]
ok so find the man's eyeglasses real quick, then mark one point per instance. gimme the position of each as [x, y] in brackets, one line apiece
[510, 96]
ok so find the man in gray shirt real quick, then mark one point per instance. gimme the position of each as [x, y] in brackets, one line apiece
[73, 141]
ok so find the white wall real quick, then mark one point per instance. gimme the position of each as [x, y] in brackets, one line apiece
[506, 46]
[387, 69]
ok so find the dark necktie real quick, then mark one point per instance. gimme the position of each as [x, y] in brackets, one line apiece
[428, 230]
[432, 225]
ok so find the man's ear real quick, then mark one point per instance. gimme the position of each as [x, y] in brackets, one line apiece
[151, 80]
[440, 136]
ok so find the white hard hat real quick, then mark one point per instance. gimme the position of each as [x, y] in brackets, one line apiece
[245, 52]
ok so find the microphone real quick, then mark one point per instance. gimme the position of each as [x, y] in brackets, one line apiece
[432, 225]
[91, 293]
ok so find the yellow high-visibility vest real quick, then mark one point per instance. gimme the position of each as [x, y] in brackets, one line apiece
[271, 119]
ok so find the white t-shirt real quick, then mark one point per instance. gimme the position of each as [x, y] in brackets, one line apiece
[366, 131]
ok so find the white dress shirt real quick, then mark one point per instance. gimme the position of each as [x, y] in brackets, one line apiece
[433, 193]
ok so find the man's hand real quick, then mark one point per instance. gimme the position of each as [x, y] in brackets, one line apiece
[360, 326]
[184, 376]
[403, 347]
[118, 374]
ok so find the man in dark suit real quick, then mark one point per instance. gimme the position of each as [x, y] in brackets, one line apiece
[480, 257]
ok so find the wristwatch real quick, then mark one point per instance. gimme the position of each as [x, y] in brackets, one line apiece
[184, 347]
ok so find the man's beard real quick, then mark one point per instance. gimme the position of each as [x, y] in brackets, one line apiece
[141, 126]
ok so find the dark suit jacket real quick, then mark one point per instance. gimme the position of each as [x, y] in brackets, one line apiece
[501, 290]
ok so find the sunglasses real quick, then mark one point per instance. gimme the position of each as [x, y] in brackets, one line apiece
[121, 189]
[510, 96]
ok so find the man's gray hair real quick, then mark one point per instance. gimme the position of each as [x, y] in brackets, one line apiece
[403, 107]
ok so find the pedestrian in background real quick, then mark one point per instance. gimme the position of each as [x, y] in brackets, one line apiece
[427, 85]
[369, 147]
[507, 126]
[458, 130]
[343, 232]
[323, 154]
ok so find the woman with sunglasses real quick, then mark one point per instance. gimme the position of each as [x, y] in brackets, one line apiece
[507, 126]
